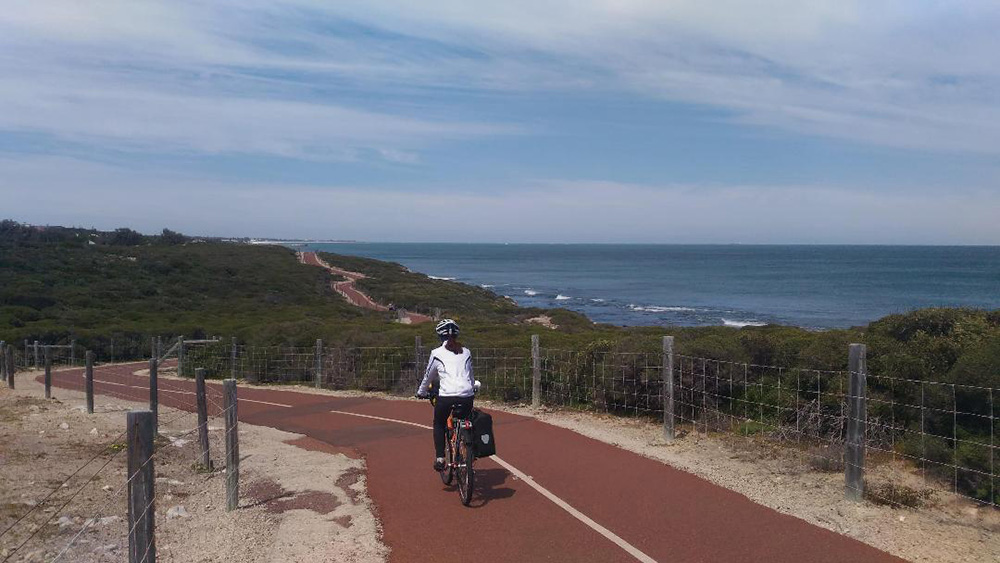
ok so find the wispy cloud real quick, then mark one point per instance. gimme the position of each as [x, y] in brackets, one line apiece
[255, 76]
[166, 77]
[134, 117]
[890, 73]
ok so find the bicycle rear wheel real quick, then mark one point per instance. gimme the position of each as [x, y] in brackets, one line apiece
[447, 474]
[465, 473]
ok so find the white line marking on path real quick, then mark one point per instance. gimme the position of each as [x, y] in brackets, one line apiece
[629, 548]
[385, 419]
[264, 403]
[188, 393]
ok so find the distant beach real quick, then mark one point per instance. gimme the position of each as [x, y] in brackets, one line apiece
[815, 287]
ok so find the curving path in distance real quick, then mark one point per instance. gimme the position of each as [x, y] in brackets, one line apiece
[351, 293]
[552, 495]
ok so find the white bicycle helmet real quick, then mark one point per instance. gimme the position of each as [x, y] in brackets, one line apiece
[446, 328]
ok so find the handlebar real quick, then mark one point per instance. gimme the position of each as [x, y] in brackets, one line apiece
[433, 395]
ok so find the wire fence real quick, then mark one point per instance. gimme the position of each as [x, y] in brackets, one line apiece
[64, 511]
[948, 431]
[505, 373]
[937, 436]
[944, 434]
[620, 383]
[919, 436]
[69, 351]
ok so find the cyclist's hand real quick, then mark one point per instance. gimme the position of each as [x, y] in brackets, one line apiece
[476, 386]
[422, 395]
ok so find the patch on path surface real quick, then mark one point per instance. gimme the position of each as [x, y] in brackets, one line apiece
[276, 500]
[314, 445]
[348, 481]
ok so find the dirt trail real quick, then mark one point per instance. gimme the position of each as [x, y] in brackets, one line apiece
[549, 498]
[351, 293]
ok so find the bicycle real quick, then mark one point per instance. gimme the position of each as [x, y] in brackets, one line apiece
[459, 455]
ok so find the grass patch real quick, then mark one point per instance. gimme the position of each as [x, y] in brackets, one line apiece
[116, 447]
[752, 428]
[200, 468]
[895, 494]
[825, 460]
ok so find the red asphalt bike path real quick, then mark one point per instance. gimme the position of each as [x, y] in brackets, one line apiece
[352, 294]
[666, 514]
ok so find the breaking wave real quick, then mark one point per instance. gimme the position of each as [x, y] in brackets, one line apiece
[741, 324]
[658, 309]
[562, 297]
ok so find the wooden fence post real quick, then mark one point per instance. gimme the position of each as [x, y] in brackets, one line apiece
[318, 373]
[3, 361]
[232, 446]
[418, 348]
[141, 482]
[89, 376]
[159, 347]
[536, 372]
[180, 357]
[37, 363]
[10, 366]
[857, 413]
[48, 373]
[668, 388]
[199, 382]
[154, 395]
[232, 360]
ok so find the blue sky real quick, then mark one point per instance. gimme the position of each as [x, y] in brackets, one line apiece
[773, 121]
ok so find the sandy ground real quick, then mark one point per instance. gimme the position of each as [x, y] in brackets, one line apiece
[543, 320]
[299, 501]
[946, 530]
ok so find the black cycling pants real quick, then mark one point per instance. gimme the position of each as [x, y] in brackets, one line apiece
[442, 408]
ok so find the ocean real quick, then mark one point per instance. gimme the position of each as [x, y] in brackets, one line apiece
[814, 287]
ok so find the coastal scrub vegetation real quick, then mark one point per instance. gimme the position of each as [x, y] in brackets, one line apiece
[59, 282]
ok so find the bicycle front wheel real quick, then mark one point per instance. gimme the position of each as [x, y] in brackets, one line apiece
[466, 474]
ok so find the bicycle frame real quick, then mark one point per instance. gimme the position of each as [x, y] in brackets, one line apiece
[453, 437]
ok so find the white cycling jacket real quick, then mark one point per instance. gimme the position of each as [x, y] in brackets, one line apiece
[453, 372]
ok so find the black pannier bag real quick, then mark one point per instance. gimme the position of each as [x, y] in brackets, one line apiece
[482, 433]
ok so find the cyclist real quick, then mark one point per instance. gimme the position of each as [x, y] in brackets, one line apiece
[450, 368]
